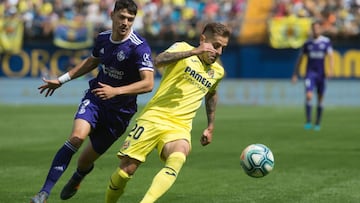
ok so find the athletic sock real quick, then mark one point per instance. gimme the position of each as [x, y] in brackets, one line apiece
[59, 165]
[79, 175]
[116, 185]
[165, 178]
[308, 109]
[319, 114]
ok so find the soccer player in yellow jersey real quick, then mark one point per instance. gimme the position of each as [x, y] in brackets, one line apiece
[190, 74]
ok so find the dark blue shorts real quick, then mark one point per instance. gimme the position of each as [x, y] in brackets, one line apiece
[107, 124]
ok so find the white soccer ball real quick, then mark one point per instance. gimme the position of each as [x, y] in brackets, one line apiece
[257, 160]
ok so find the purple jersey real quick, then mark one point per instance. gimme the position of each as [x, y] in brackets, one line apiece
[316, 51]
[121, 63]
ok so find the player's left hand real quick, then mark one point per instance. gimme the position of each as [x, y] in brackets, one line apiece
[104, 92]
[206, 137]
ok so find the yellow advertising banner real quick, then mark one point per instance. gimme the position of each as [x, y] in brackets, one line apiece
[11, 35]
[288, 32]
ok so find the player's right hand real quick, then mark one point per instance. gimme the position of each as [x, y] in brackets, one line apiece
[50, 86]
[205, 47]
[206, 137]
[329, 75]
[294, 79]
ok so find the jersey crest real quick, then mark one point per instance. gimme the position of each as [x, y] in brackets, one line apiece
[211, 73]
[120, 55]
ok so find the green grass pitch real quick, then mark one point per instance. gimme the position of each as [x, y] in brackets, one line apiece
[310, 167]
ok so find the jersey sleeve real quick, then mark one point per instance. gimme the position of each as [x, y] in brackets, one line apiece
[329, 48]
[179, 46]
[96, 49]
[215, 86]
[143, 56]
[220, 75]
[304, 49]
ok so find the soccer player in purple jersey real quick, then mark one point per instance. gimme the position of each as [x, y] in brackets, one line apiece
[316, 49]
[126, 69]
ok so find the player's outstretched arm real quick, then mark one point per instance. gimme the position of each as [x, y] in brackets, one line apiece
[84, 67]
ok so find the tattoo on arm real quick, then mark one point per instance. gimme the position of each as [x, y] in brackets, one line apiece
[170, 57]
[211, 101]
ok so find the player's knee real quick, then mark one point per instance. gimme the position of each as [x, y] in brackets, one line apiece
[175, 161]
[129, 165]
[309, 94]
[75, 141]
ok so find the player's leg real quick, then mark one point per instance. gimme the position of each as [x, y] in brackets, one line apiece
[320, 107]
[309, 87]
[119, 178]
[174, 153]
[142, 139]
[84, 167]
[101, 139]
[62, 158]
[308, 109]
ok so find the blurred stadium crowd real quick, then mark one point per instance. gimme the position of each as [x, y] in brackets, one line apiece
[162, 20]
[156, 19]
[340, 18]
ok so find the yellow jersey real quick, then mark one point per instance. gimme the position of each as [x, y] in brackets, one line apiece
[182, 88]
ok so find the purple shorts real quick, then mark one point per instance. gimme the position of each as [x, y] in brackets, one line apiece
[107, 124]
[313, 81]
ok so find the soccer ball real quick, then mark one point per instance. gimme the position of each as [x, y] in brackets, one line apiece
[257, 160]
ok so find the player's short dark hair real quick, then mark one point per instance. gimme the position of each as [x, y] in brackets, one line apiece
[130, 5]
[215, 28]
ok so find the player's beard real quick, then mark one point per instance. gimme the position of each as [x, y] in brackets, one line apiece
[123, 30]
[207, 58]
[210, 58]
